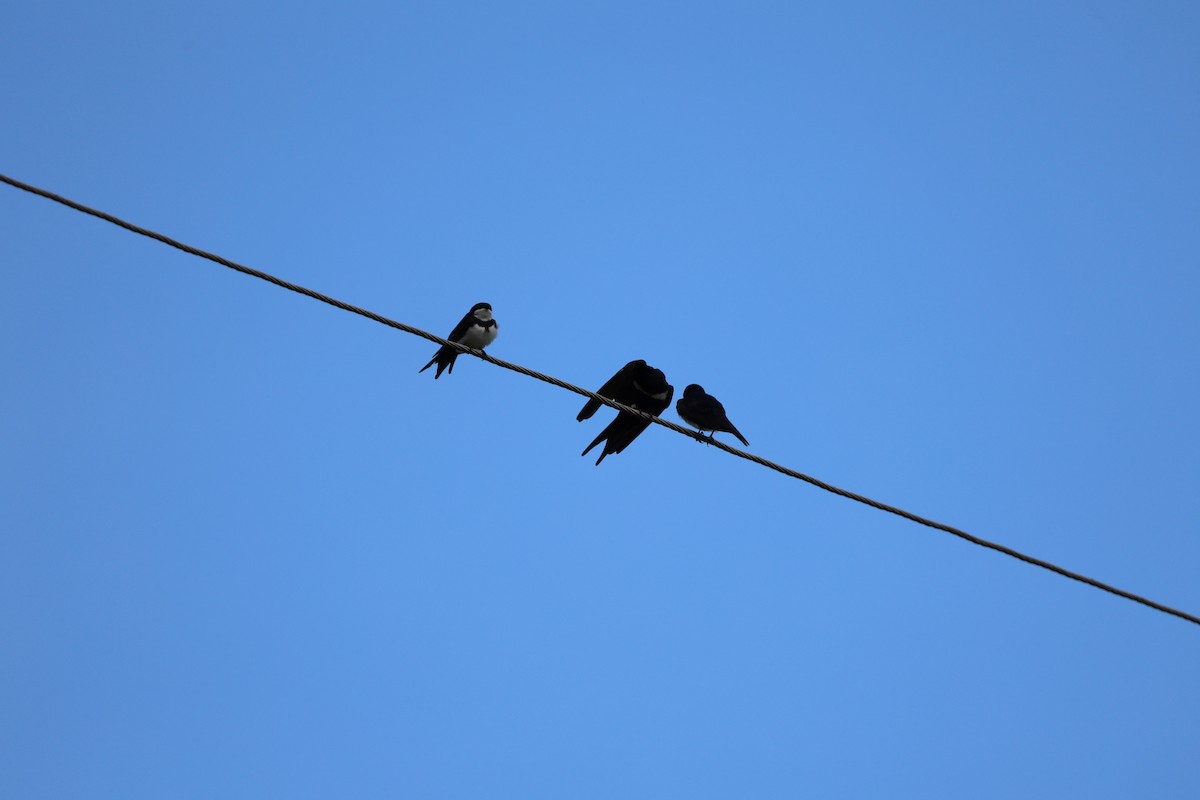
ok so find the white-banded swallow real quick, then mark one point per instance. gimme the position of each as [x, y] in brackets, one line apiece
[705, 412]
[477, 329]
[639, 386]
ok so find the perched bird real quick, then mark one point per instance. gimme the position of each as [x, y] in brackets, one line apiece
[705, 412]
[639, 386]
[477, 329]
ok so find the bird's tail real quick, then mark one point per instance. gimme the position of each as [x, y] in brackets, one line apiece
[738, 434]
[444, 358]
[603, 435]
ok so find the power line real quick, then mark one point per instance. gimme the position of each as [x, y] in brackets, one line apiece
[1008, 551]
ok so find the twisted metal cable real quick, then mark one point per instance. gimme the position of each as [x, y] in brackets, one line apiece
[1008, 551]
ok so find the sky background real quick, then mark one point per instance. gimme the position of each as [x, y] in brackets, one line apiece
[943, 254]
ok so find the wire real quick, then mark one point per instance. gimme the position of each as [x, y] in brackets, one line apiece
[1008, 551]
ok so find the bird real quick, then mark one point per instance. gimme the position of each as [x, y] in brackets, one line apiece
[477, 329]
[705, 412]
[637, 385]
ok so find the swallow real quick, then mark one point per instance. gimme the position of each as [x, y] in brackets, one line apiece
[705, 412]
[477, 329]
[639, 386]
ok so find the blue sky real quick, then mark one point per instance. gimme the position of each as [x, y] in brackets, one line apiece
[945, 255]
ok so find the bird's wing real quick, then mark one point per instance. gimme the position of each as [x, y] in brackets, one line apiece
[628, 427]
[616, 388]
[460, 330]
[711, 407]
[714, 413]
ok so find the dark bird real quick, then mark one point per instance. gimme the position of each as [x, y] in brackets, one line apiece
[639, 386]
[477, 329]
[705, 412]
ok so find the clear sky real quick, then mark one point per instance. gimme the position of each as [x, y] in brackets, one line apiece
[943, 254]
